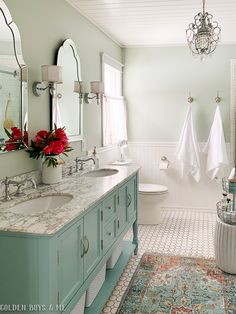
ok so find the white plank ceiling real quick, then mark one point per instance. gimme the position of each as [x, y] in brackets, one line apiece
[155, 22]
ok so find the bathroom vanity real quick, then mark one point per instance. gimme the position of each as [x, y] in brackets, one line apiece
[49, 258]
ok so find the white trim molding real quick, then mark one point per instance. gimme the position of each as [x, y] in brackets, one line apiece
[233, 111]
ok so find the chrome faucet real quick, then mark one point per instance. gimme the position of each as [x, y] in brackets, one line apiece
[22, 183]
[7, 183]
[82, 162]
[19, 184]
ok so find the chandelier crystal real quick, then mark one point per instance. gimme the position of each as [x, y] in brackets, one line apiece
[203, 35]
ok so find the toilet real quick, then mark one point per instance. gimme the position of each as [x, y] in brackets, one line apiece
[151, 197]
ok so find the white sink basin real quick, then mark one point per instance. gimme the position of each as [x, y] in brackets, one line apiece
[41, 204]
[103, 172]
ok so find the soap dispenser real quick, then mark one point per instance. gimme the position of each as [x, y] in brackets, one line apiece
[95, 157]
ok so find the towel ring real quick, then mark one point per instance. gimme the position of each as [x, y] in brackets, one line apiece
[190, 98]
[217, 98]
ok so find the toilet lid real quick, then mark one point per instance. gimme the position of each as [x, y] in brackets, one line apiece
[152, 188]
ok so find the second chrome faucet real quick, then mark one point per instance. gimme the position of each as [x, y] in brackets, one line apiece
[81, 162]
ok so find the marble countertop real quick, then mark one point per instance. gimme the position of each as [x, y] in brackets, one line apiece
[86, 191]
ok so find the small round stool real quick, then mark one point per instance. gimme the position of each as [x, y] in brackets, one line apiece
[225, 246]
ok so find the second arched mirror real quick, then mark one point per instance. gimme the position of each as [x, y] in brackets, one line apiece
[67, 106]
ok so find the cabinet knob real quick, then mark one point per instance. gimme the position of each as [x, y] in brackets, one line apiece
[109, 233]
[109, 207]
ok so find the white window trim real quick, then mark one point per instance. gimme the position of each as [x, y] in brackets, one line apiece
[105, 58]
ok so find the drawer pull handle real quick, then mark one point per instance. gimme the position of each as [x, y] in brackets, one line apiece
[82, 248]
[118, 224]
[87, 248]
[129, 200]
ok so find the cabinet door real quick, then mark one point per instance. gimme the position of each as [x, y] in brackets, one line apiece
[122, 208]
[92, 239]
[70, 262]
[131, 198]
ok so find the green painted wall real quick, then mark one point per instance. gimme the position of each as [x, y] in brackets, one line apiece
[156, 85]
[43, 25]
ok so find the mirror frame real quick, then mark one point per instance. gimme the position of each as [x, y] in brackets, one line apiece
[22, 67]
[65, 45]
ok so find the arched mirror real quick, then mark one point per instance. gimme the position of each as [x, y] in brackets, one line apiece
[67, 105]
[13, 86]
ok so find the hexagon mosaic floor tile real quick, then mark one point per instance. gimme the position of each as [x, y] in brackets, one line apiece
[182, 232]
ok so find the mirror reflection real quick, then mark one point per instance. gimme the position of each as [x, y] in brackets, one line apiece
[67, 104]
[13, 86]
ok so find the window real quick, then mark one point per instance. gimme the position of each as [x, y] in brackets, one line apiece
[114, 107]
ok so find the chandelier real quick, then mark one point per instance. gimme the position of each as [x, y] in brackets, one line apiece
[203, 35]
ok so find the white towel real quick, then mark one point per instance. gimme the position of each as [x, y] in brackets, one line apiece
[187, 150]
[215, 147]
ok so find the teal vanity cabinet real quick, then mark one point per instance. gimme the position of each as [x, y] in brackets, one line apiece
[131, 198]
[79, 252]
[50, 273]
[127, 203]
[70, 262]
[109, 216]
[92, 239]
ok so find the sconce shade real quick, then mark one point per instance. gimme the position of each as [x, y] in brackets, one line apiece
[97, 87]
[77, 87]
[52, 73]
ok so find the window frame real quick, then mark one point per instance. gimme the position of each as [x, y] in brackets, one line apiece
[107, 59]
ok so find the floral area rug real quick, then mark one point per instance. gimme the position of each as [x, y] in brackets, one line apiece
[178, 285]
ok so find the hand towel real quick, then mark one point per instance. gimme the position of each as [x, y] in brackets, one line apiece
[187, 151]
[215, 148]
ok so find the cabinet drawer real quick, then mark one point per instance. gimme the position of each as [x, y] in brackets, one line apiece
[109, 235]
[109, 207]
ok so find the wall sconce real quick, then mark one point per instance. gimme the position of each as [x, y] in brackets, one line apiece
[97, 88]
[78, 90]
[52, 74]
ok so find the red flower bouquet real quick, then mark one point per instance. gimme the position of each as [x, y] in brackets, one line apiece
[48, 145]
[17, 140]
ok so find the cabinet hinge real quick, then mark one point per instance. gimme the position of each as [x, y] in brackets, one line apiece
[118, 200]
[57, 257]
[102, 244]
[102, 215]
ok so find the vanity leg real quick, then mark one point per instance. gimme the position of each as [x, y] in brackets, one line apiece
[135, 236]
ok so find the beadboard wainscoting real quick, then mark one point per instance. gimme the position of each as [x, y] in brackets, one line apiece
[185, 193]
[108, 154]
